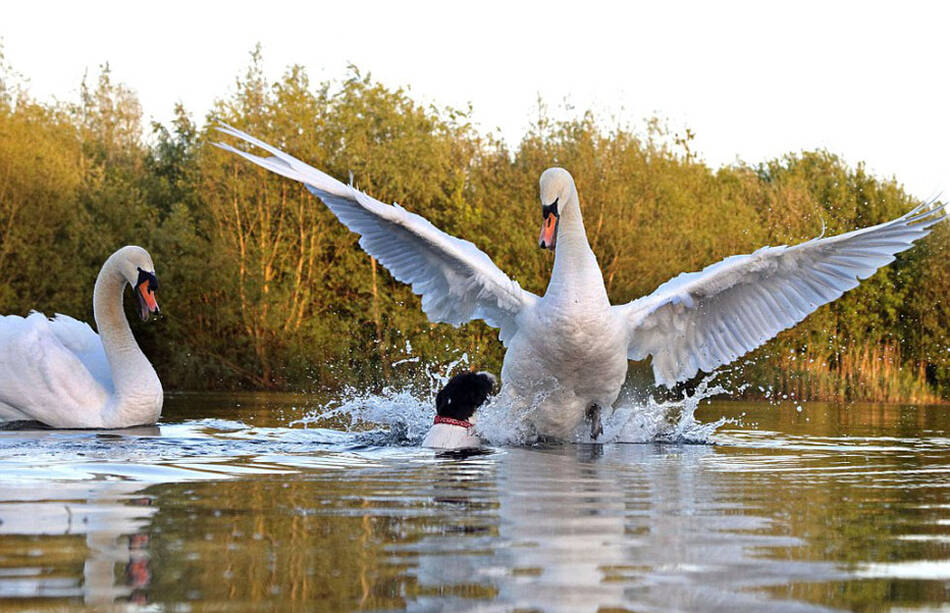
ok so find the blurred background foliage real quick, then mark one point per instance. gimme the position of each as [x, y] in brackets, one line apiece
[261, 288]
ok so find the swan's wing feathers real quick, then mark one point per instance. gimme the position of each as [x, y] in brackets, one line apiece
[85, 344]
[702, 320]
[43, 379]
[456, 280]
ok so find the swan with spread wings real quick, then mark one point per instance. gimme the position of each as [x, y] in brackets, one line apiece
[567, 351]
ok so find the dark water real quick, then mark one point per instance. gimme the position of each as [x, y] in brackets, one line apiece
[224, 507]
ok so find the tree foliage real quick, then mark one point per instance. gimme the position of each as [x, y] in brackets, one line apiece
[263, 288]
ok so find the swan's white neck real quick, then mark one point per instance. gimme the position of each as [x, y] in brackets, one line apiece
[136, 383]
[576, 274]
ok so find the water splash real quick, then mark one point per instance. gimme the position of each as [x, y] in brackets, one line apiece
[670, 421]
[401, 416]
[391, 416]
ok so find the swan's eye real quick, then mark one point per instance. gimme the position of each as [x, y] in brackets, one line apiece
[550, 209]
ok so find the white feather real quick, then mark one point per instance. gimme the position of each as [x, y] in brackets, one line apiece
[701, 320]
[40, 376]
[79, 338]
[456, 280]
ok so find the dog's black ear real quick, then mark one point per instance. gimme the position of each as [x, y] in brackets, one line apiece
[440, 400]
[487, 386]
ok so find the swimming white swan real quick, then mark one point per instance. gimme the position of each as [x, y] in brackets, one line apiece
[61, 373]
[567, 351]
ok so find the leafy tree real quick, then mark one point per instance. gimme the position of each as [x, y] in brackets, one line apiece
[262, 287]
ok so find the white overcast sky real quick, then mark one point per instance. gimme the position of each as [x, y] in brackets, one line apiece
[753, 80]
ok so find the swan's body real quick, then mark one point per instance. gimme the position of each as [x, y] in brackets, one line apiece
[61, 373]
[567, 351]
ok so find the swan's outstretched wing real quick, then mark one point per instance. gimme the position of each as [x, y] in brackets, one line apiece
[41, 379]
[456, 280]
[701, 320]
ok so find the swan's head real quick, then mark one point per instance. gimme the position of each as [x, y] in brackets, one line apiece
[135, 264]
[557, 194]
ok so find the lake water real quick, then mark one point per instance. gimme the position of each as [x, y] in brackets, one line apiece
[234, 504]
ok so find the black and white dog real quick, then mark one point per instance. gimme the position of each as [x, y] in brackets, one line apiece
[455, 406]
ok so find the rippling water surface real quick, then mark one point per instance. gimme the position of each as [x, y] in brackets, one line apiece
[249, 503]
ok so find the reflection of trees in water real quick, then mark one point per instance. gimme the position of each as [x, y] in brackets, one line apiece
[344, 540]
[855, 480]
[694, 527]
[257, 541]
[571, 527]
[270, 540]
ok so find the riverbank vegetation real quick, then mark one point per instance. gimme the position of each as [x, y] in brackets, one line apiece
[261, 288]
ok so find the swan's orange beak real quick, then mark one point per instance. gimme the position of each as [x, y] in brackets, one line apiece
[145, 291]
[548, 237]
[148, 303]
[551, 218]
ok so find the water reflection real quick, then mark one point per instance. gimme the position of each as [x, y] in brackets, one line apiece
[828, 507]
[95, 526]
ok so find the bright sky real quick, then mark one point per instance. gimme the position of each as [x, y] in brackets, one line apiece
[753, 80]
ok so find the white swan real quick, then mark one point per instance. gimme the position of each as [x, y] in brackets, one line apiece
[567, 351]
[61, 373]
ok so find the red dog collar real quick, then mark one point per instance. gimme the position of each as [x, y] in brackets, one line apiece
[453, 422]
